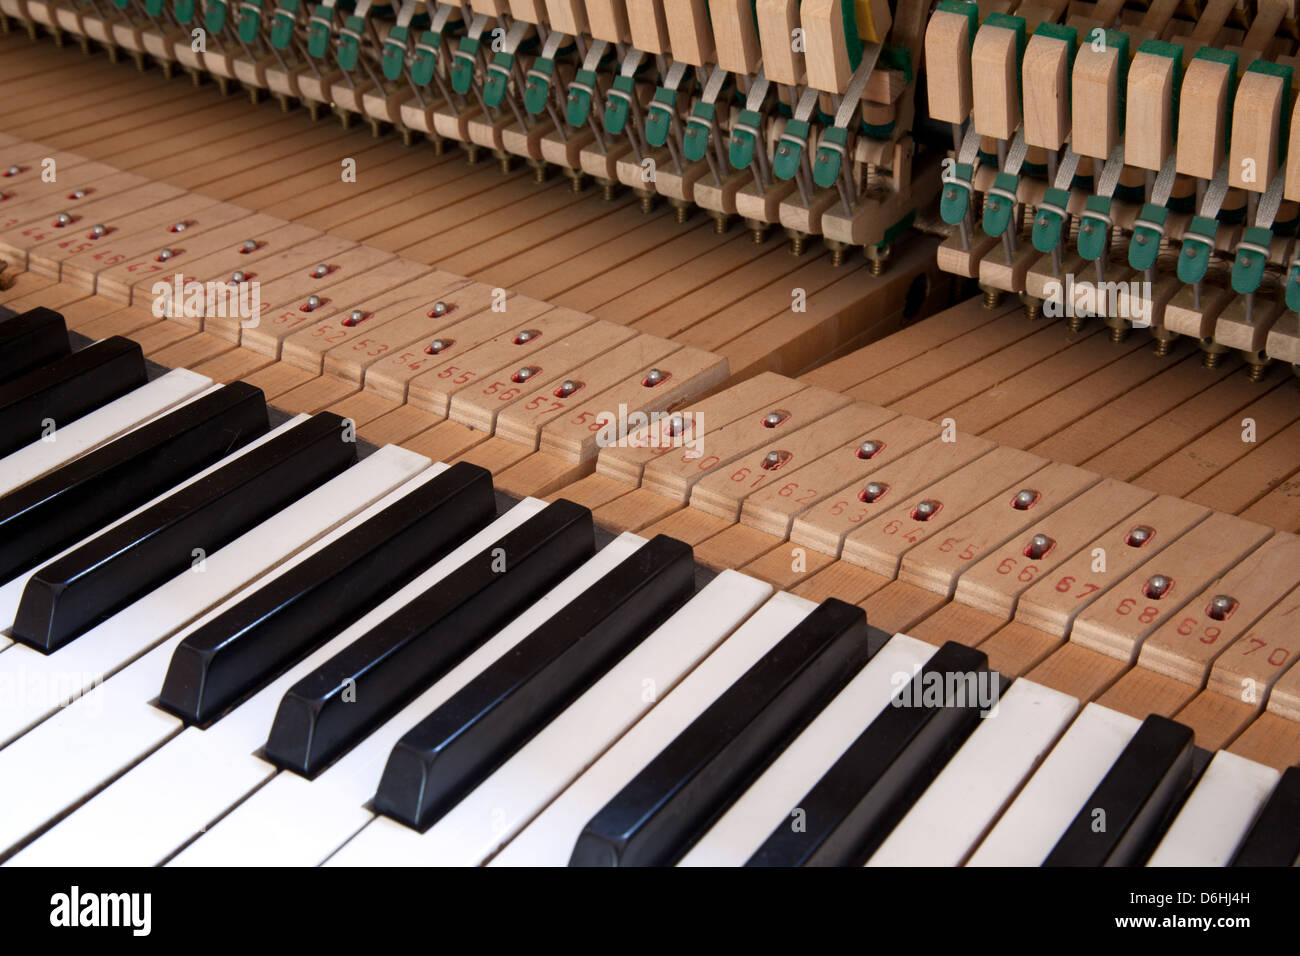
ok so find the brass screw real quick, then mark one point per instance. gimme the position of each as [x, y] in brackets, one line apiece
[1257, 372]
[472, 153]
[439, 146]
[1032, 311]
[1075, 323]
[607, 191]
[681, 214]
[1210, 359]
[796, 244]
[757, 235]
[1118, 334]
[1163, 346]
[837, 256]
[648, 203]
[991, 296]
[539, 175]
[720, 224]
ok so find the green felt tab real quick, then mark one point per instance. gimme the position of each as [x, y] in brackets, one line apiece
[741, 151]
[579, 104]
[698, 129]
[498, 78]
[425, 58]
[349, 45]
[1046, 233]
[318, 31]
[538, 85]
[282, 23]
[790, 148]
[153, 7]
[184, 11]
[214, 19]
[1145, 246]
[1248, 267]
[1195, 257]
[659, 116]
[1093, 227]
[462, 66]
[998, 208]
[955, 199]
[826, 168]
[1293, 289]
[250, 19]
[393, 56]
[616, 107]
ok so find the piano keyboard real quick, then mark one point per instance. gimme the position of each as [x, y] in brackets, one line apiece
[245, 638]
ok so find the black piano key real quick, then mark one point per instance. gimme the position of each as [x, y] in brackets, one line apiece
[104, 575]
[670, 804]
[58, 509]
[452, 750]
[1274, 839]
[66, 389]
[1118, 824]
[860, 799]
[327, 712]
[31, 340]
[249, 645]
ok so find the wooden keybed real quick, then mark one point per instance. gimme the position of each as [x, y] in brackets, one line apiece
[1111, 437]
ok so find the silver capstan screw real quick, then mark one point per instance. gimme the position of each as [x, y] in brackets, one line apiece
[1139, 536]
[1158, 585]
[1221, 606]
[1024, 499]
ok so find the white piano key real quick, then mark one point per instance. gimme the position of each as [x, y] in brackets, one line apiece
[521, 787]
[121, 826]
[49, 681]
[770, 799]
[296, 822]
[102, 425]
[176, 792]
[1218, 814]
[1029, 829]
[979, 781]
[549, 839]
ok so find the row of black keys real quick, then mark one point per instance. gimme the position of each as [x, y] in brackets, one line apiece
[661, 812]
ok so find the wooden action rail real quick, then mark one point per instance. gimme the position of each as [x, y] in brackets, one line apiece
[723, 294]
